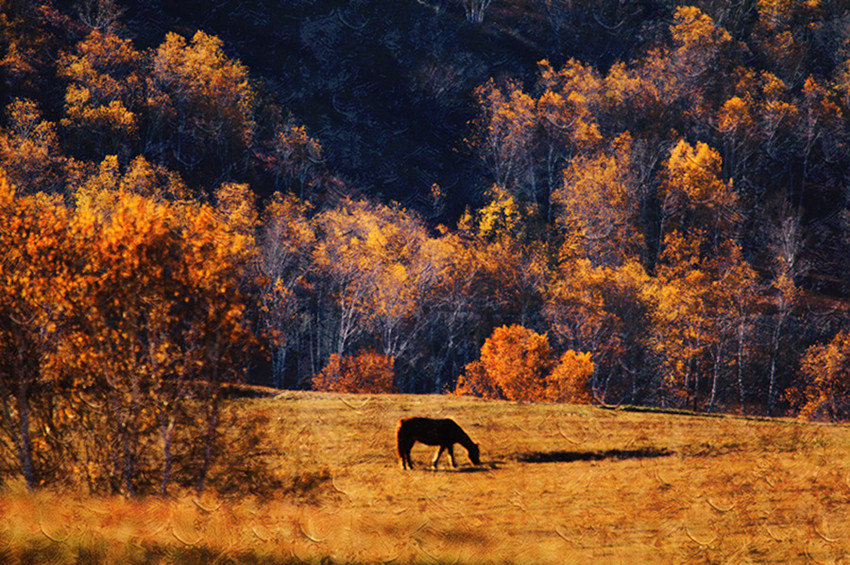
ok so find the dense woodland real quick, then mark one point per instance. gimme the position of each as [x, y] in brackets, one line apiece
[577, 200]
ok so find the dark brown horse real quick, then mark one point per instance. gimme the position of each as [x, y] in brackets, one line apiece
[443, 432]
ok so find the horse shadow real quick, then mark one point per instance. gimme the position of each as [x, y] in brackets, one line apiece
[483, 467]
[601, 455]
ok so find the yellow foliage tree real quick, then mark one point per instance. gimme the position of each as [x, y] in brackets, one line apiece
[604, 310]
[104, 94]
[287, 240]
[599, 205]
[201, 101]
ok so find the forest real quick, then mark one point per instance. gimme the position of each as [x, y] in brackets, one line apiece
[600, 201]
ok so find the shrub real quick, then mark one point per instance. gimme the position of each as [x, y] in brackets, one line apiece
[824, 387]
[475, 382]
[514, 364]
[570, 380]
[367, 372]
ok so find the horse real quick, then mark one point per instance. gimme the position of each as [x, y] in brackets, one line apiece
[443, 432]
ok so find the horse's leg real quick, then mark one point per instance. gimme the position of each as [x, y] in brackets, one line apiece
[452, 455]
[437, 457]
[404, 453]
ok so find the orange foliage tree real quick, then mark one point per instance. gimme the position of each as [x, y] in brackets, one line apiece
[35, 284]
[823, 390]
[367, 372]
[30, 151]
[515, 362]
[570, 380]
[117, 311]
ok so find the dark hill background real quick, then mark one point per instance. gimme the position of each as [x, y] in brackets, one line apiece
[387, 87]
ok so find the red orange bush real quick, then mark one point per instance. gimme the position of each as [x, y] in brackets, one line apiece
[367, 372]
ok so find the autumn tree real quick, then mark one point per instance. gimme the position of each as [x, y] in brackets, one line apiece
[372, 280]
[511, 263]
[103, 100]
[35, 280]
[222, 293]
[287, 239]
[515, 363]
[294, 159]
[785, 245]
[201, 103]
[162, 315]
[605, 311]
[570, 380]
[456, 306]
[694, 195]
[781, 37]
[822, 390]
[525, 140]
[30, 151]
[506, 135]
[367, 372]
[599, 206]
[756, 126]
[706, 292]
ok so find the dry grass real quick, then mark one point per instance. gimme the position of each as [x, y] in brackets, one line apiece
[559, 484]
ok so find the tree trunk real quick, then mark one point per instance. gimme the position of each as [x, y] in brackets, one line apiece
[741, 392]
[209, 436]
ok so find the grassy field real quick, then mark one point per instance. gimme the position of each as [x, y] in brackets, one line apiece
[558, 484]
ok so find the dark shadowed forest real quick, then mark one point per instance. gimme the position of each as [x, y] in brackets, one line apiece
[553, 200]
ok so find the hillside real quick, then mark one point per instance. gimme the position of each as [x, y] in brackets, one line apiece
[362, 196]
[557, 484]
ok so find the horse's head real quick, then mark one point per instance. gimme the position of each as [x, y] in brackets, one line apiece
[474, 453]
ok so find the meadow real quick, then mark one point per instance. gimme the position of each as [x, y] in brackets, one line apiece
[557, 484]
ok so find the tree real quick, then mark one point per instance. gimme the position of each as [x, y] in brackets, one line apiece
[599, 205]
[693, 195]
[475, 10]
[372, 282]
[570, 380]
[511, 265]
[100, 15]
[605, 311]
[287, 241]
[201, 103]
[505, 135]
[34, 284]
[294, 159]
[162, 315]
[104, 95]
[29, 150]
[515, 363]
[219, 338]
[786, 269]
[695, 65]
[824, 384]
[368, 372]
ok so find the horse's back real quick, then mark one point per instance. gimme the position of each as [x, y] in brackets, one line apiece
[429, 431]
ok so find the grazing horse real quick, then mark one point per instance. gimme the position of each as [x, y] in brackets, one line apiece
[445, 433]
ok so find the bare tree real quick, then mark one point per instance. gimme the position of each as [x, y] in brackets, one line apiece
[475, 10]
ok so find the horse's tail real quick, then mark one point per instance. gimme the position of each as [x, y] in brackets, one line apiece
[400, 437]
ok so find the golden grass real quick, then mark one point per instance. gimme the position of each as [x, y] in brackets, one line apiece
[559, 484]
